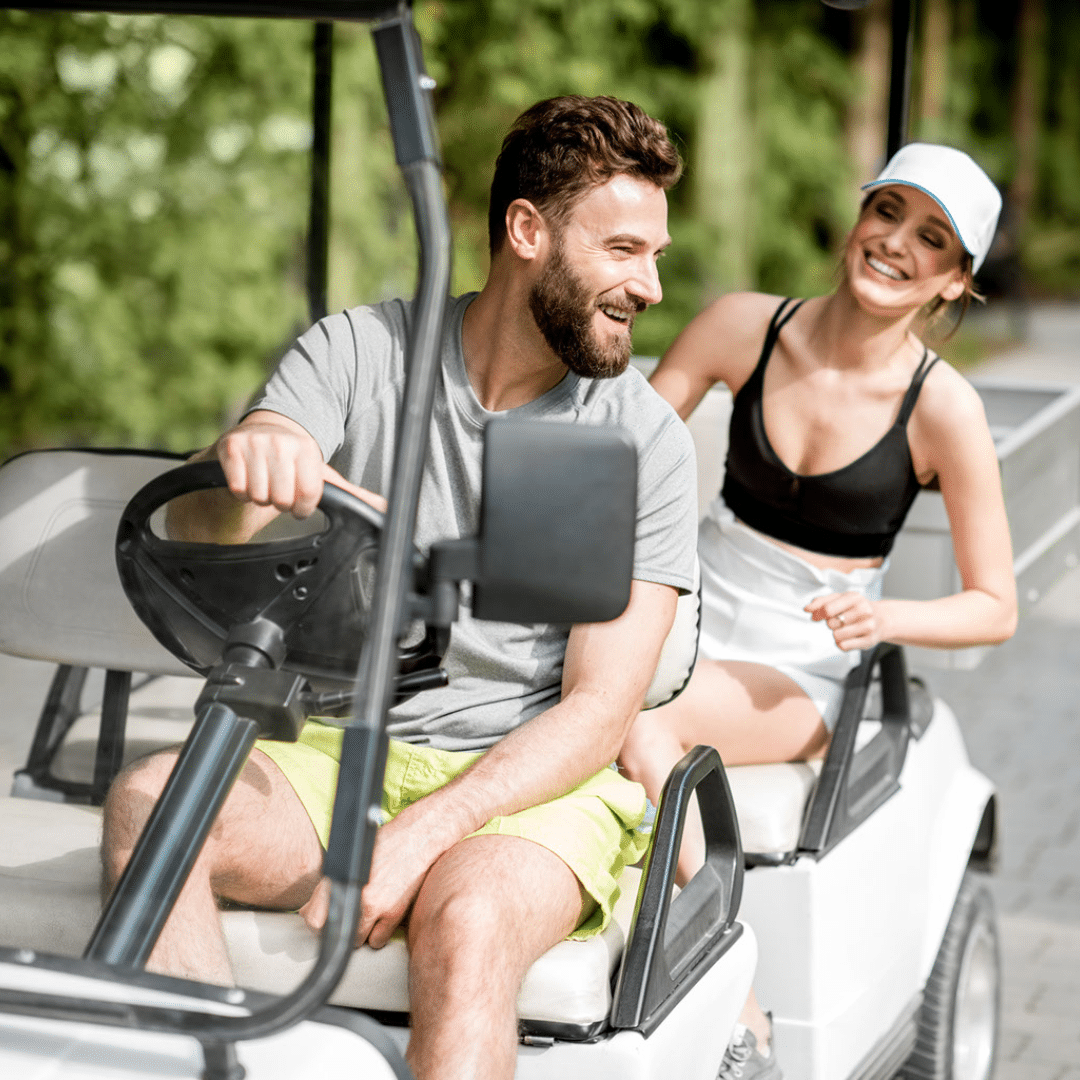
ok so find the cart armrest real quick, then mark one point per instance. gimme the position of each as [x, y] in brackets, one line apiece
[673, 942]
[853, 785]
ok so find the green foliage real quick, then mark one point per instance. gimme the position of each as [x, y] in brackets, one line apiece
[154, 177]
[1052, 249]
[151, 235]
[372, 242]
[806, 196]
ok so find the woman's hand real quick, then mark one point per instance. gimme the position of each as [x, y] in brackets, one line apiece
[854, 620]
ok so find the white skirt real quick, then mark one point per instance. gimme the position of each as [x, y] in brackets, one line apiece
[752, 598]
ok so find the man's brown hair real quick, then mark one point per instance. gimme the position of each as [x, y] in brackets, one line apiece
[561, 148]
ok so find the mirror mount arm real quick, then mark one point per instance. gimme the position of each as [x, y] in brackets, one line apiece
[450, 563]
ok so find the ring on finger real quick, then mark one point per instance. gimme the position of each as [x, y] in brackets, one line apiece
[840, 619]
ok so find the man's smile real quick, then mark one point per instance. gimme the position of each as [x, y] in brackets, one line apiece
[619, 315]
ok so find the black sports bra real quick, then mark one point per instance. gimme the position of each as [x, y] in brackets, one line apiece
[854, 511]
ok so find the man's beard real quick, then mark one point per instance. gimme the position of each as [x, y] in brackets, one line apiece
[563, 310]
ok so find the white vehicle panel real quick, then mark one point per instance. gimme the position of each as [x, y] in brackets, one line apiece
[38, 1048]
[847, 941]
[688, 1044]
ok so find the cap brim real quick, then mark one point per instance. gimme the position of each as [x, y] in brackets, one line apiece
[918, 187]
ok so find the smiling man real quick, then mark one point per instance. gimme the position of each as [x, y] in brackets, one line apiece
[505, 829]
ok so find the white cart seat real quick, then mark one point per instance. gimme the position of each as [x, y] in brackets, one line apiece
[770, 801]
[60, 593]
[50, 895]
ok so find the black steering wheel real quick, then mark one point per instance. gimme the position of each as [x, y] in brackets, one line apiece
[316, 588]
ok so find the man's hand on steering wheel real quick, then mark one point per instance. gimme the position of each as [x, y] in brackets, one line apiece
[270, 460]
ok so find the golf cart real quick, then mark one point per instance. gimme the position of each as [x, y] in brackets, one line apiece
[877, 949]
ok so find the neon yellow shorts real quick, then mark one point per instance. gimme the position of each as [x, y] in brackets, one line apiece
[594, 829]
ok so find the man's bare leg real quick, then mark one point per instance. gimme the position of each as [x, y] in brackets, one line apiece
[489, 907]
[262, 850]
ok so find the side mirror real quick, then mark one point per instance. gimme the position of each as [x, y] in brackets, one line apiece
[557, 520]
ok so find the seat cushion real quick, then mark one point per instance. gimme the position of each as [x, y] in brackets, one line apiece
[679, 652]
[770, 802]
[50, 896]
[49, 893]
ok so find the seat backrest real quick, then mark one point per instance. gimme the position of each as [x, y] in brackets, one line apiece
[679, 654]
[60, 594]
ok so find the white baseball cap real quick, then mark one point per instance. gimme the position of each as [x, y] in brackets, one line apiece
[968, 196]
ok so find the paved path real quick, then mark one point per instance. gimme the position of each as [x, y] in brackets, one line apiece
[1020, 711]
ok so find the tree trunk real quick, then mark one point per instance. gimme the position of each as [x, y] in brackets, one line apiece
[867, 119]
[724, 160]
[1027, 109]
[933, 121]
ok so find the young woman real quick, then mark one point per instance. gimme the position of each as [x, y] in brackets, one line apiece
[840, 415]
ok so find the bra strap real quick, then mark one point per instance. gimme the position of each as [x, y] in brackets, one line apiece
[912, 395]
[779, 320]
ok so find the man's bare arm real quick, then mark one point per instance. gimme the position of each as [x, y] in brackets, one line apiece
[272, 465]
[607, 670]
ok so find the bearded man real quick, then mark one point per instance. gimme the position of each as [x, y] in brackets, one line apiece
[505, 829]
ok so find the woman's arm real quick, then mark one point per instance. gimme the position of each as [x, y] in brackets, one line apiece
[721, 344]
[949, 436]
[959, 449]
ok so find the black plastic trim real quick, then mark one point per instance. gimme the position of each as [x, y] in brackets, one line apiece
[671, 944]
[62, 708]
[984, 851]
[853, 785]
[408, 98]
[769, 858]
[322, 99]
[563, 1032]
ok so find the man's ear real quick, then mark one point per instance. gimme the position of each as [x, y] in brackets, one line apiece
[526, 231]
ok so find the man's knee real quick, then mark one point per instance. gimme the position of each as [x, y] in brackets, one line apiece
[472, 920]
[463, 928]
[128, 805]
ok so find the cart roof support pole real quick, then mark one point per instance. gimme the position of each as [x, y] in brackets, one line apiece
[318, 240]
[903, 38]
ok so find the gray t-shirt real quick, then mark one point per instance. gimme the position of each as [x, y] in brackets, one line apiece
[343, 382]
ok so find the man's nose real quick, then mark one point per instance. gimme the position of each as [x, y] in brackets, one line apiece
[646, 283]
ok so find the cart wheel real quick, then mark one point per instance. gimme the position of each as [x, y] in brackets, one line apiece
[958, 1023]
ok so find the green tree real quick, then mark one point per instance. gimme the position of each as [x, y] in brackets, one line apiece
[152, 192]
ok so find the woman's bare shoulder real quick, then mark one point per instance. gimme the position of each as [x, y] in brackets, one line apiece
[947, 398]
[725, 335]
[949, 422]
